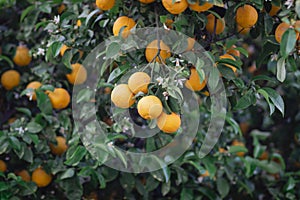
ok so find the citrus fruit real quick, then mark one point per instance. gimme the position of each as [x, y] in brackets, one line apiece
[3, 166]
[264, 156]
[274, 10]
[191, 43]
[193, 83]
[243, 31]
[233, 51]
[210, 26]
[22, 56]
[152, 51]
[63, 49]
[280, 30]
[244, 126]
[78, 23]
[61, 8]
[149, 107]
[169, 23]
[222, 150]
[146, 1]
[246, 16]
[33, 85]
[105, 4]
[122, 96]
[138, 82]
[175, 8]
[228, 56]
[200, 8]
[168, 123]
[59, 98]
[41, 177]
[24, 175]
[123, 21]
[10, 79]
[205, 174]
[238, 143]
[59, 148]
[78, 74]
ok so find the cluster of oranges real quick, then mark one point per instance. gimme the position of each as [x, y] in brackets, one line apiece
[149, 106]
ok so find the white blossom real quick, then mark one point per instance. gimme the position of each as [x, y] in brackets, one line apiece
[180, 82]
[166, 95]
[289, 3]
[41, 52]
[160, 80]
[56, 19]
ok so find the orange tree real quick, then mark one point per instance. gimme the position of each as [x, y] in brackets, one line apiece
[255, 46]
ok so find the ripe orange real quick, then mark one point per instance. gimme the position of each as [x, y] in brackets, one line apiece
[274, 10]
[61, 8]
[152, 50]
[34, 85]
[200, 8]
[10, 79]
[222, 150]
[205, 174]
[175, 8]
[246, 16]
[107, 90]
[138, 82]
[63, 49]
[243, 31]
[78, 23]
[169, 23]
[193, 83]
[228, 56]
[168, 123]
[232, 51]
[24, 175]
[22, 56]
[244, 126]
[220, 25]
[122, 21]
[146, 1]
[105, 4]
[59, 148]
[238, 143]
[78, 74]
[59, 98]
[41, 177]
[3, 166]
[191, 43]
[280, 30]
[122, 96]
[149, 107]
[264, 156]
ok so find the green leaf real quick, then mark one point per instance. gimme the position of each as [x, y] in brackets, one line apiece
[266, 96]
[127, 181]
[112, 50]
[262, 77]
[236, 149]
[276, 99]
[186, 194]
[288, 42]
[77, 155]
[8, 60]
[245, 101]
[281, 71]
[26, 12]
[26, 111]
[213, 78]
[43, 102]
[165, 188]
[298, 8]
[14, 142]
[223, 187]
[55, 48]
[45, 7]
[66, 59]
[84, 95]
[67, 174]
[34, 127]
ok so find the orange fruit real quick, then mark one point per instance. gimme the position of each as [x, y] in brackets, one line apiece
[152, 50]
[105, 4]
[59, 98]
[232, 51]
[129, 23]
[200, 8]
[34, 85]
[175, 8]
[78, 23]
[22, 56]
[238, 143]
[228, 56]
[78, 74]
[61, 8]
[246, 16]
[10, 79]
[222, 150]
[149, 107]
[59, 148]
[63, 49]
[146, 1]
[168, 123]
[3, 166]
[220, 25]
[107, 90]
[244, 126]
[122, 96]
[193, 83]
[243, 31]
[205, 174]
[280, 30]
[169, 23]
[191, 43]
[24, 175]
[138, 82]
[41, 177]
[264, 156]
[274, 10]
[11, 120]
